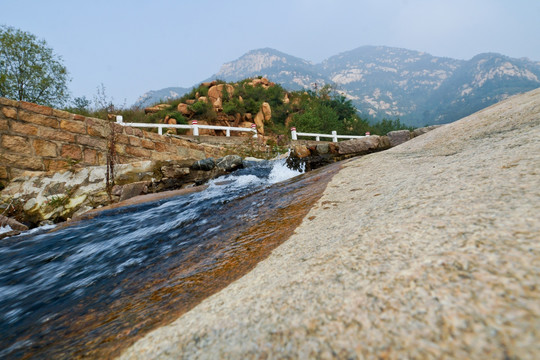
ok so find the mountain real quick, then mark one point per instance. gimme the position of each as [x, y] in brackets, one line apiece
[153, 96]
[290, 72]
[385, 82]
[388, 82]
[480, 82]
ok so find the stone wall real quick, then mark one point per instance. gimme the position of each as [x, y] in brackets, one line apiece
[39, 138]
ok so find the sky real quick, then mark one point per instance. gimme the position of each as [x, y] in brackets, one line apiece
[131, 47]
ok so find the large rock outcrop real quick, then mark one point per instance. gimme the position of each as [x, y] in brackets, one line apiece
[360, 146]
[428, 250]
[264, 114]
[216, 92]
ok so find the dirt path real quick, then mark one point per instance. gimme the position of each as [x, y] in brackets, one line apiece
[428, 250]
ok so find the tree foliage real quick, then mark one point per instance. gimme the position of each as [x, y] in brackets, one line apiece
[30, 70]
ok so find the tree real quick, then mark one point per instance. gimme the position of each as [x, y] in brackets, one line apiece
[29, 70]
[319, 118]
[81, 105]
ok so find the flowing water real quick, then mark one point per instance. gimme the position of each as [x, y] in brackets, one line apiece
[90, 289]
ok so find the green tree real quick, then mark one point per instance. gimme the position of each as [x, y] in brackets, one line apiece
[30, 70]
[384, 126]
[319, 118]
[81, 105]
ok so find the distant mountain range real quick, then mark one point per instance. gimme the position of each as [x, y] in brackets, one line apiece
[384, 82]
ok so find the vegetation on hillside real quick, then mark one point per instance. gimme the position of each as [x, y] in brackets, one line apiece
[318, 111]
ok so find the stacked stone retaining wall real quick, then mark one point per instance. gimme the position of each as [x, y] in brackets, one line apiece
[39, 138]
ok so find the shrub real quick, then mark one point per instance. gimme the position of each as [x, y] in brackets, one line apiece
[200, 107]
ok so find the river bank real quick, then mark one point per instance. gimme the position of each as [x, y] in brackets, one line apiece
[427, 250]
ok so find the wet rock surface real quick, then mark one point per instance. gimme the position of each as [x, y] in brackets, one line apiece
[427, 250]
[230, 163]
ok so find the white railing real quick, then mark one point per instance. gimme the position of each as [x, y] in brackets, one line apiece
[194, 126]
[334, 135]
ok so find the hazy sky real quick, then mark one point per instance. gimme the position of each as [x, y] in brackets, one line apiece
[135, 46]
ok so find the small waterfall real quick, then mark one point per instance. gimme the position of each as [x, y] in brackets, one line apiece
[90, 288]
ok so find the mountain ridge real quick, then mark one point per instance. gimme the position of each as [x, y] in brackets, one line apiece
[388, 82]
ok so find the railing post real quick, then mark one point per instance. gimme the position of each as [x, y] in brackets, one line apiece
[254, 128]
[317, 138]
[293, 133]
[195, 127]
[334, 136]
[228, 133]
[119, 119]
[160, 129]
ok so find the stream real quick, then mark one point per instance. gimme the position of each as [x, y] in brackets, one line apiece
[93, 288]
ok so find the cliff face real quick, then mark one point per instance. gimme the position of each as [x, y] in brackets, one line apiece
[427, 250]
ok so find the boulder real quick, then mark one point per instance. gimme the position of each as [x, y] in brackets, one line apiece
[203, 99]
[173, 170]
[264, 114]
[301, 151]
[322, 149]
[216, 91]
[267, 111]
[134, 189]
[169, 120]
[384, 143]
[156, 108]
[204, 164]
[333, 148]
[12, 223]
[190, 101]
[230, 163]
[184, 109]
[259, 121]
[286, 99]
[262, 82]
[359, 146]
[398, 137]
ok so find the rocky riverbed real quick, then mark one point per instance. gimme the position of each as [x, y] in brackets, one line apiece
[428, 250]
